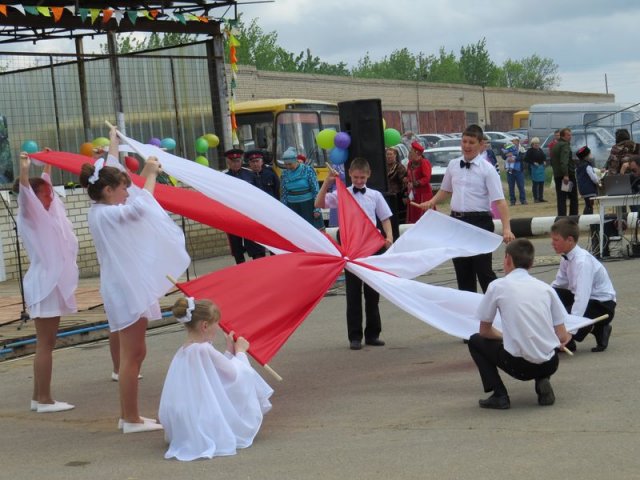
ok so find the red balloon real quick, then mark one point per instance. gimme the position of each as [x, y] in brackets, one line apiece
[132, 163]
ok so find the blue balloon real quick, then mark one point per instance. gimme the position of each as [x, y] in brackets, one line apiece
[168, 143]
[29, 146]
[338, 156]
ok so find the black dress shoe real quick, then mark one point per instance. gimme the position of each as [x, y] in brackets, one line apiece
[495, 402]
[374, 342]
[571, 345]
[603, 341]
[545, 392]
[355, 345]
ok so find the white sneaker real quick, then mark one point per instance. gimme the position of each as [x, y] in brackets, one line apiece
[54, 407]
[140, 427]
[115, 377]
[34, 405]
[144, 419]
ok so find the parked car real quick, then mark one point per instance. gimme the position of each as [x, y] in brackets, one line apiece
[522, 134]
[430, 139]
[498, 141]
[598, 139]
[439, 157]
[448, 142]
[403, 153]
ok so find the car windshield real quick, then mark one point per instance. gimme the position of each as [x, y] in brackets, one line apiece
[442, 158]
[448, 142]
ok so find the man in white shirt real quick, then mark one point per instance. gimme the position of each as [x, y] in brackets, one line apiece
[473, 185]
[583, 285]
[532, 328]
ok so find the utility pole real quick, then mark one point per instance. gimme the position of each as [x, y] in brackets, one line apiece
[606, 84]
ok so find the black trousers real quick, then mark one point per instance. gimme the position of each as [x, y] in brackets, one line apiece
[471, 270]
[355, 287]
[562, 197]
[237, 248]
[594, 309]
[489, 355]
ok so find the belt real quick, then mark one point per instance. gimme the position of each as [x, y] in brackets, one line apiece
[300, 192]
[470, 214]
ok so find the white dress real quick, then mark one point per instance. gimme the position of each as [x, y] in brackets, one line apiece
[47, 235]
[211, 403]
[137, 245]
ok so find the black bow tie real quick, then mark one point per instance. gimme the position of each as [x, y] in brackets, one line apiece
[360, 190]
[564, 256]
[464, 164]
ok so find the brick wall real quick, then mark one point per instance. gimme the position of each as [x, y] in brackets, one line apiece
[202, 241]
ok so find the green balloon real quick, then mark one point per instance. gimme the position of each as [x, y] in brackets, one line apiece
[325, 138]
[202, 160]
[202, 145]
[392, 137]
[101, 142]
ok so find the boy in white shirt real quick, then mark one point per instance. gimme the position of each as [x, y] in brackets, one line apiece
[532, 329]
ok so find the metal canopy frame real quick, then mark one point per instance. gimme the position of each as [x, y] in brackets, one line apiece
[16, 27]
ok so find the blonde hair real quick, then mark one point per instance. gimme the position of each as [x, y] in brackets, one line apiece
[204, 311]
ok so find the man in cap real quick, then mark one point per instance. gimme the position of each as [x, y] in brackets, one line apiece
[235, 169]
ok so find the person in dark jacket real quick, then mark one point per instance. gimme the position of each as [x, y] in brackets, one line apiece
[564, 174]
[536, 160]
[587, 179]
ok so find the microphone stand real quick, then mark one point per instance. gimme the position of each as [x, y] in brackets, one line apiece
[24, 316]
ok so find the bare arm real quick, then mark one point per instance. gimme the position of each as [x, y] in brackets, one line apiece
[488, 331]
[388, 232]
[503, 210]
[562, 334]
[437, 198]
[322, 194]
[114, 143]
[150, 172]
[24, 169]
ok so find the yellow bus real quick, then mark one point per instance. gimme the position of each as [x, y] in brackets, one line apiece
[521, 119]
[274, 125]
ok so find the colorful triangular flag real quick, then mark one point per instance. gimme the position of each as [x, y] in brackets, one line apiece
[3, 9]
[44, 11]
[57, 13]
[133, 16]
[31, 10]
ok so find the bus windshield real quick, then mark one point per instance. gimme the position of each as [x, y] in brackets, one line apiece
[299, 130]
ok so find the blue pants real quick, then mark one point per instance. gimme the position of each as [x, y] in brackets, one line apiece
[516, 178]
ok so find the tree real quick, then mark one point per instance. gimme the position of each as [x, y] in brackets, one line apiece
[476, 65]
[129, 43]
[444, 68]
[400, 65]
[532, 72]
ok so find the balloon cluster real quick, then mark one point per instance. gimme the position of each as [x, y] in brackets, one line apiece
[203, 144]
[336, 142]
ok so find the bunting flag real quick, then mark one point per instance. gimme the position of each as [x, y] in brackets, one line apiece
[308, 259]
[233, 61]
[107, 13]
[57, 13]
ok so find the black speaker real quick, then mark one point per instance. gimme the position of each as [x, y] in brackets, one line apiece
[362, 120]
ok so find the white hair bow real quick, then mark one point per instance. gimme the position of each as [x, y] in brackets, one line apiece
[191, 307]
[96, 173]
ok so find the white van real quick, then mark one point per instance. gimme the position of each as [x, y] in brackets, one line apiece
[546, 118]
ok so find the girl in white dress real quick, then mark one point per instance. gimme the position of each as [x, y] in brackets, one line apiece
[52, 278]
[137, 245]
[212, 403]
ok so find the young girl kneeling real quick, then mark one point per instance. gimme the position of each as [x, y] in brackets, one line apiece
[212, 403]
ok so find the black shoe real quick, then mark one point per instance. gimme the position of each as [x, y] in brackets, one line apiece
[500, 402]
[542, 200]
[374, 342]
[545, 392]
[603, 341]
[355, 345]
[571, 345]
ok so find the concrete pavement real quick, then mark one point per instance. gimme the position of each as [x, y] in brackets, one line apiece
[406, 410]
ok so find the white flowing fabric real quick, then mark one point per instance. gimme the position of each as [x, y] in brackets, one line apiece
[434, 239]
[211, 404]
[52, 248]
[241, 196]
[138, 245]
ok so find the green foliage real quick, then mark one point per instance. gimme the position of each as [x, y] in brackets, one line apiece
[129, 43]
[532, 72]
[476, 65]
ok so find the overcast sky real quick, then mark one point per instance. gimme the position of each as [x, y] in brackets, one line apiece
[586, 38]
